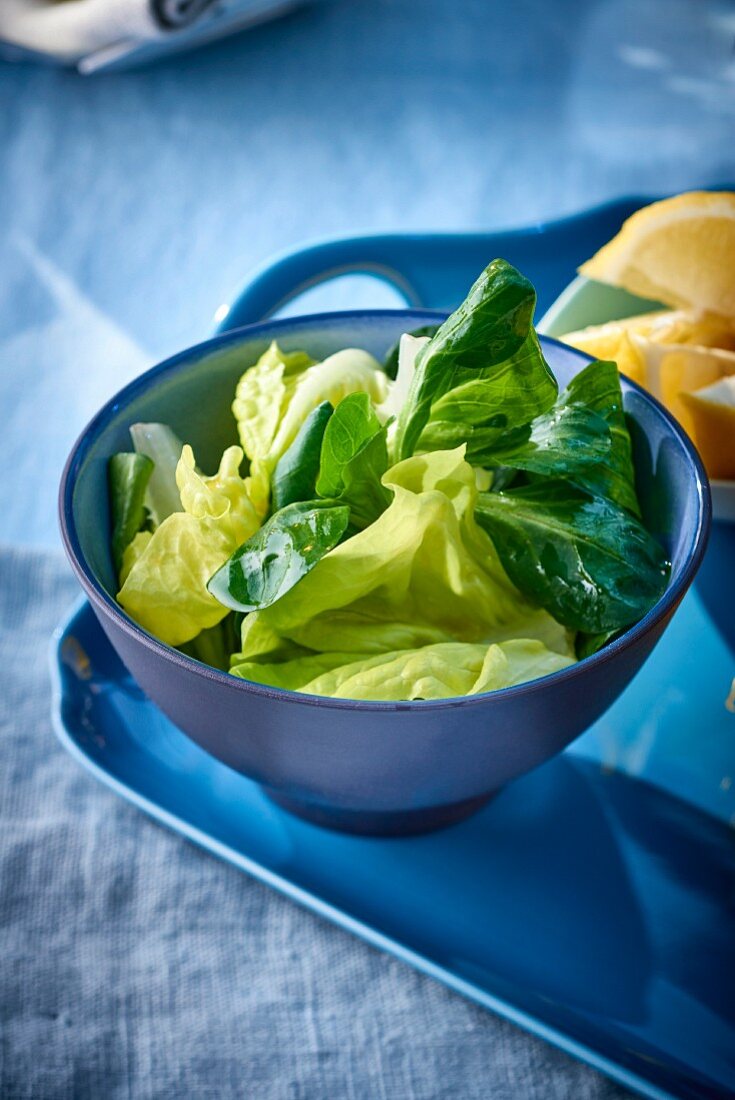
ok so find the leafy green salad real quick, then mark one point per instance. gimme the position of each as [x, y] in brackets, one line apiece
[443, 524]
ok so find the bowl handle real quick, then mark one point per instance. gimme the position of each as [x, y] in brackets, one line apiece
[415, 265]
[433, 270]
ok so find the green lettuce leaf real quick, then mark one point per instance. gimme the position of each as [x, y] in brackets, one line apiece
[294, 477]
[354, 458]
[482, 410]
[483, 363]
[277, 556]
[164, 579]
[589, 562]
[127, 478]
[563, 442]
[587, 644]
[353, 426]
[597, 388]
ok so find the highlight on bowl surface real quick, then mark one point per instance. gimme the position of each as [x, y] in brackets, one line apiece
[680, 253]
[441, 524]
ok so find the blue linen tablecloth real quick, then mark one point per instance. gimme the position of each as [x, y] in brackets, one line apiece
[136, 966]
[133, 965]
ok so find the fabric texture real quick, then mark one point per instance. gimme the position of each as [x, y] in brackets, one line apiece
[136, 966]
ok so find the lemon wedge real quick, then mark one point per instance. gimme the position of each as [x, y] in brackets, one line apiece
[629, 343]
[665, 369]
[666, 326]
[679, 251]
[712, 413]
[668, 370]
[610, 341]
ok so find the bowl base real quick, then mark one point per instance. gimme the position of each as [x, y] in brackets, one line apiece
[379, 822]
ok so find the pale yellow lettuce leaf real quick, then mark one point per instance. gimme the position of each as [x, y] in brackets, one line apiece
[132, 552]
[261, 395]
[431, 672]
[261, 398]
[165, 574]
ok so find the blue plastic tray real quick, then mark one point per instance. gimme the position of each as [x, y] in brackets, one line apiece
[586, 906]
[592, 902]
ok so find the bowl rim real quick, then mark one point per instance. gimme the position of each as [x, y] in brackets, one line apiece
[271, 328]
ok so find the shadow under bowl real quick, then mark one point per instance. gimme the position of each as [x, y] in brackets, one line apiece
[387, 768]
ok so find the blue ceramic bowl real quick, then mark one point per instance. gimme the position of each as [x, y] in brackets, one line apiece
[371, 767]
